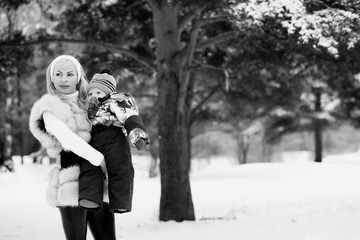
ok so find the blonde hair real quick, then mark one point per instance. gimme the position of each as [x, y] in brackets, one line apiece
[80, 86]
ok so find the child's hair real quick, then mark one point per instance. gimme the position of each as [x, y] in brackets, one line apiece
[82, 81]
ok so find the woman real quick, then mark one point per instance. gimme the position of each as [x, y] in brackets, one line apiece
[59, 121]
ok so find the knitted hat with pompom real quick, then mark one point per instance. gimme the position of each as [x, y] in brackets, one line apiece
[103, 81]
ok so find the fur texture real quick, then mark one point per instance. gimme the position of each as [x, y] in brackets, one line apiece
[63, 187]
[74, 117]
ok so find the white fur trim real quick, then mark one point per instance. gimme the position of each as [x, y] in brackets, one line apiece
[54, 151]
[63, 188]
[54, 177]
[51, 195]
[52, 188]
[69, 174]
[68, 194]
[76, 121]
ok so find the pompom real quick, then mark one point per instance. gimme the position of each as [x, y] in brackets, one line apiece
[106, 70]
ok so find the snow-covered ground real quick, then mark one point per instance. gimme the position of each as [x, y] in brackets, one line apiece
[293, 200]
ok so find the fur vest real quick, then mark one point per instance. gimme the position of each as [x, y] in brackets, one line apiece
[63, 187]
[67, 111]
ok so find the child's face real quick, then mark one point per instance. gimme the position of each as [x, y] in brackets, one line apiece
[95, 92]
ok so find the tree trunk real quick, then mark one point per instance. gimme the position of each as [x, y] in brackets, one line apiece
[2, 121]
[6, 139]
[8, 125]
[154, 153]
[172, 81]
[19, 116]
[243, 144]
[318, 128]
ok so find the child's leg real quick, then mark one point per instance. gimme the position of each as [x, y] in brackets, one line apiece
[91, 183]
[120, 171]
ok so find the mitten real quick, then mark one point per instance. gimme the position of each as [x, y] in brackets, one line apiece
[93, 107]
[125, 100]
[140, 144]
[139, 138]
[119, 97]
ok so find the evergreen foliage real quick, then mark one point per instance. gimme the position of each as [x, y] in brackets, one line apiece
[249, 63]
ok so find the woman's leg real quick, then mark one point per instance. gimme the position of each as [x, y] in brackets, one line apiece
[74, 222]
[102, 223]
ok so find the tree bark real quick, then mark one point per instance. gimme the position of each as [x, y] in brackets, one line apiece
[7, 127]
[243, 143]
[318, 128]
[172, 82]
[2, 121]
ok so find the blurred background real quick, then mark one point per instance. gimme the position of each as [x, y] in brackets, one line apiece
[246, 80]
[267, 89]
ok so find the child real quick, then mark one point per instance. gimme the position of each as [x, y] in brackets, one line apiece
[115, 118]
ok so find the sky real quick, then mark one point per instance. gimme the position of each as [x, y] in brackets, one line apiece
[295, 199]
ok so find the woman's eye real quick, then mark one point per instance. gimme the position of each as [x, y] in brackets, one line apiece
[70, 74]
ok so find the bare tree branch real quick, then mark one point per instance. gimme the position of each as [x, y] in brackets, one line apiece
[110, 46]
[317, 2]
[198, 67]
[194, 12]
[217, 39]
[206, 21]
[193, 40]
[195, 111]
[186, 61]
[133, 5]
[154, 4]
[189, 16]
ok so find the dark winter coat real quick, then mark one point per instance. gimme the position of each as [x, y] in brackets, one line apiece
[109, 136]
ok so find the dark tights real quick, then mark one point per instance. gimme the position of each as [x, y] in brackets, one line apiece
[75, 220]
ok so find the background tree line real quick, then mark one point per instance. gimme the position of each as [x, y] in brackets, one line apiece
[253, 67]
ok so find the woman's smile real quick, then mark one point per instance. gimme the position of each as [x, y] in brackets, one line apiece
[64, 86]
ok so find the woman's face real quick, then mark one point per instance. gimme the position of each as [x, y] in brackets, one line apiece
[65, 77]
